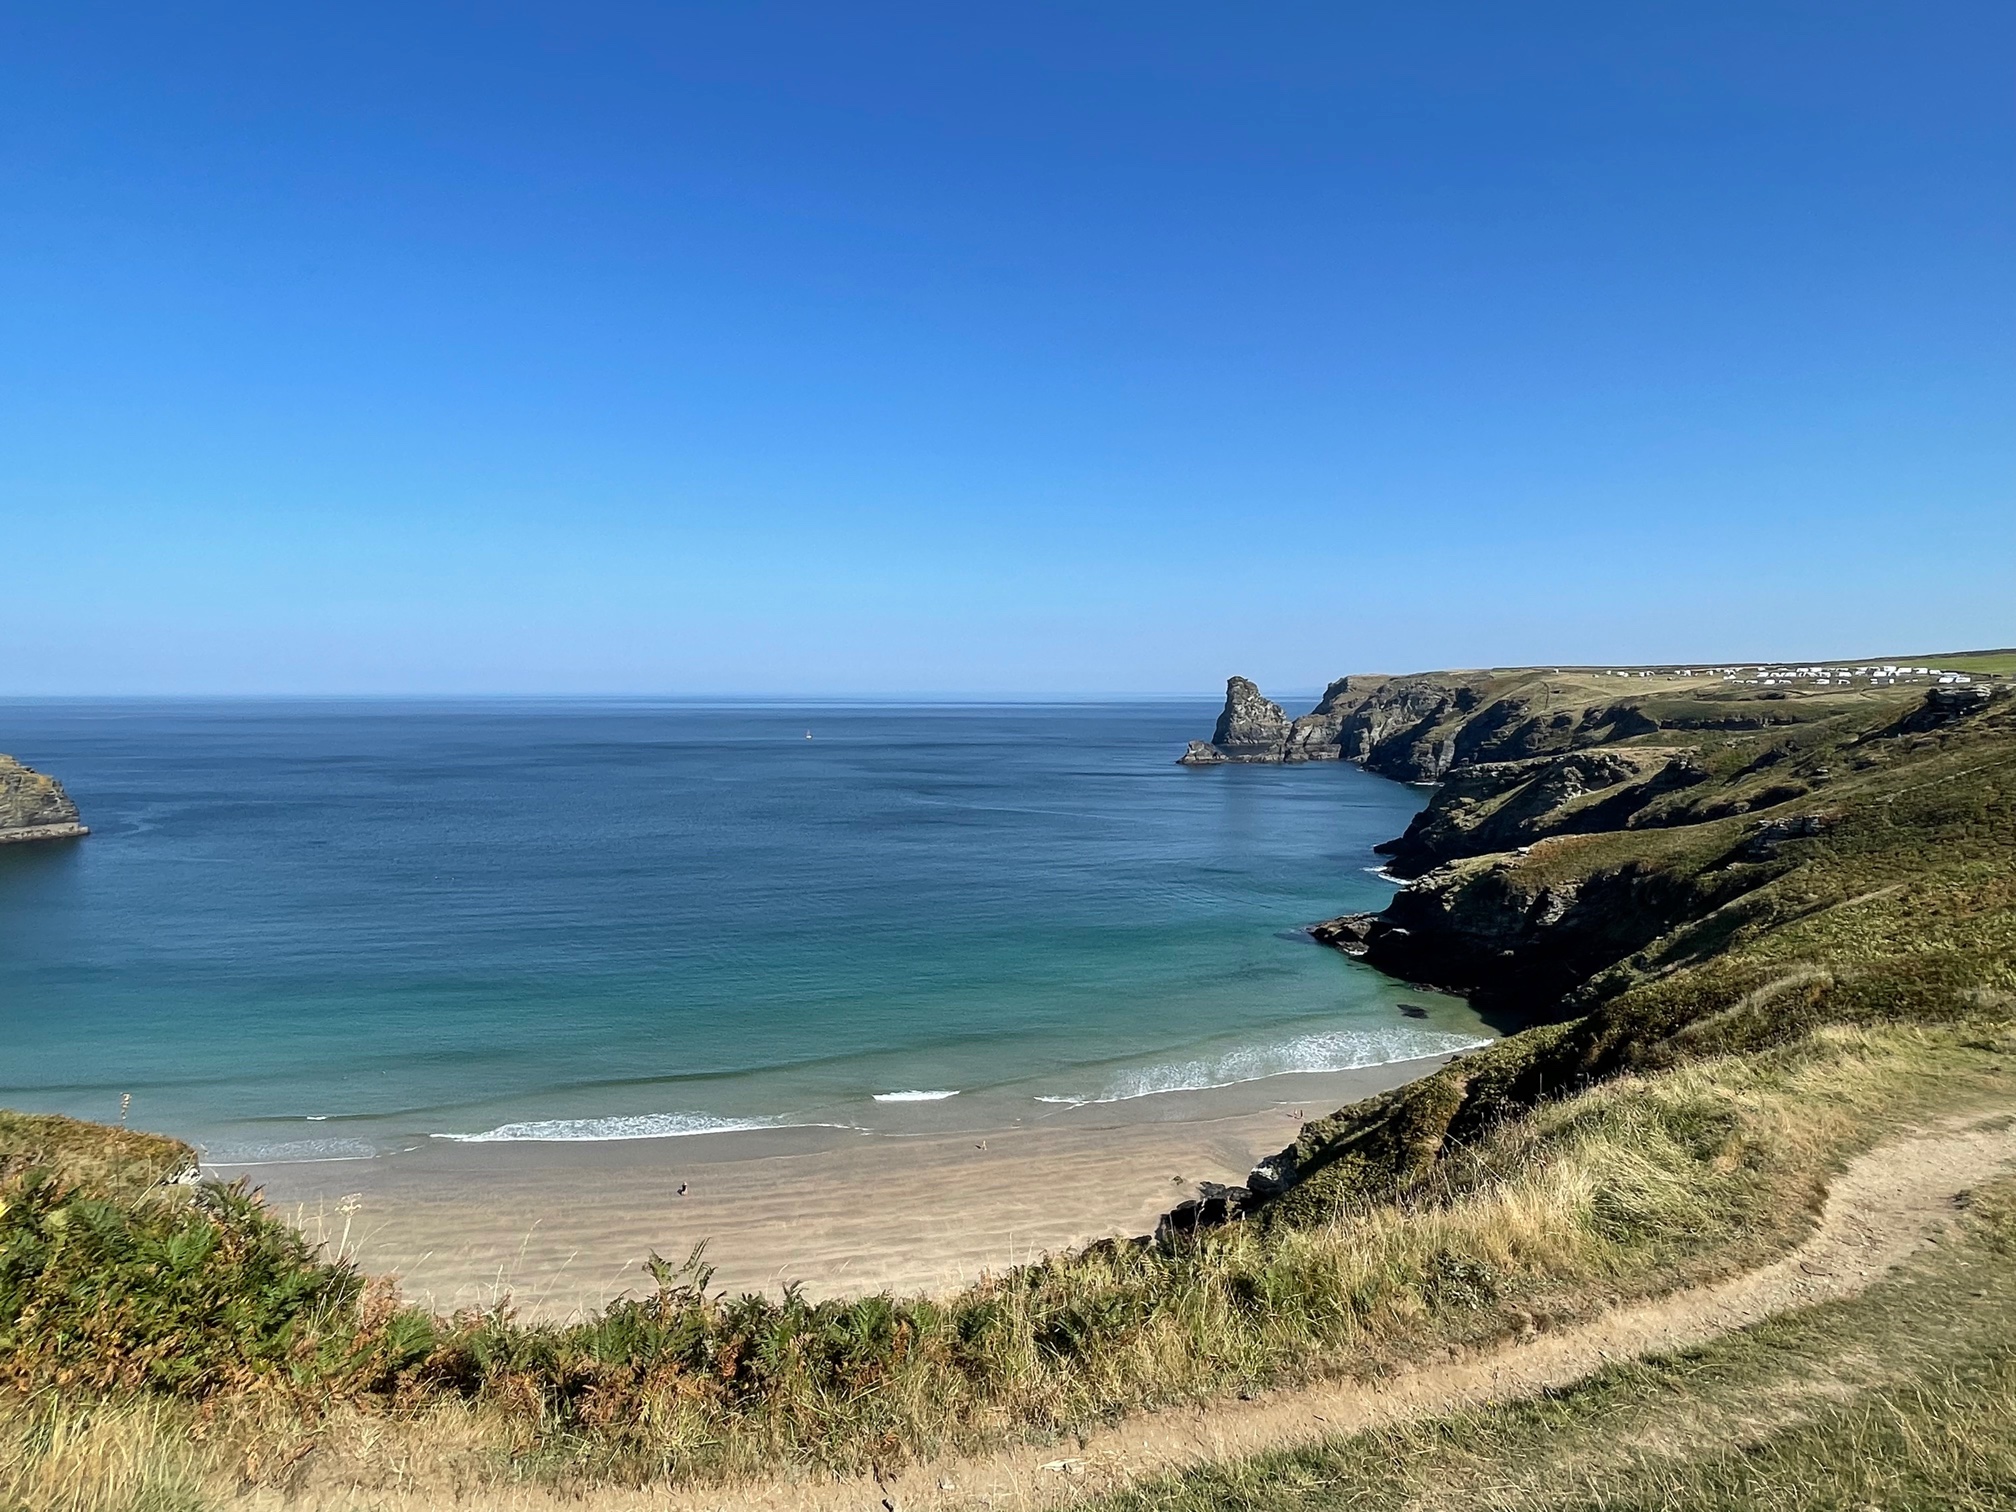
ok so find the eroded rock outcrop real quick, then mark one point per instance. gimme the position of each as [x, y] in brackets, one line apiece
[1519, 934]
[34, 807]
[1251, 727]
[1413, 729]
[1386, 724]
[1504, 805]
[1423, 726]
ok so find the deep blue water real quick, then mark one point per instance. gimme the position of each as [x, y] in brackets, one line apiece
[333, 927]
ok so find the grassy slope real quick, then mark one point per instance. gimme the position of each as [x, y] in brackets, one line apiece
[1778, 1012]
[1979, 663]
[1902, 1398]
[109, 1162]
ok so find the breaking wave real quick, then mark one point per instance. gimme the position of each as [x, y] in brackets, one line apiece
[287, 1152]
[1332, 1050]
[623, 1126]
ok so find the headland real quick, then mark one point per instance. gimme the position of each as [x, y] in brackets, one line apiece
[34, 807]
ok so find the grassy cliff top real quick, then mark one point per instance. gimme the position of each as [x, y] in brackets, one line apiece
[102, 1160]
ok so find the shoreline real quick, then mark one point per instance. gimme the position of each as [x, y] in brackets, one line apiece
[563, 1227]
[1148, 1087]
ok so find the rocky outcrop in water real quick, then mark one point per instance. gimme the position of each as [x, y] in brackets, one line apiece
[1250, 728]
[34, 807]
[1390, 725]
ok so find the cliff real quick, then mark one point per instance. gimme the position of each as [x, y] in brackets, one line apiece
[1420, 727]
[1651, 879]
[34, 807]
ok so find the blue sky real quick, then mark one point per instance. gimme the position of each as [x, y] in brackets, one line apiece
[1026, 348]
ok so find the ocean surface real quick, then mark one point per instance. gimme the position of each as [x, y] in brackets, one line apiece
[338, 929]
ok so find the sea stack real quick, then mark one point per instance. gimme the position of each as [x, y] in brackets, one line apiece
[1252, 727]
[34, 807]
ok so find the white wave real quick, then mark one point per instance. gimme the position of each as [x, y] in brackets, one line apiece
[1386, 876]
[1307, 1054]
[621, 1126]
[287, 1152]
[915, 1096]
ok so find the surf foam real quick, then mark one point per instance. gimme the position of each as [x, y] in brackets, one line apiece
[287, 1152]
[1306, 1054]
[621, 1126]
[915, 1096]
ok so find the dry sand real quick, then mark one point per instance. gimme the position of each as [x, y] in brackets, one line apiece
[562, 1227]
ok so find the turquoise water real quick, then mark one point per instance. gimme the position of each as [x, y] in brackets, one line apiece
[331, 929]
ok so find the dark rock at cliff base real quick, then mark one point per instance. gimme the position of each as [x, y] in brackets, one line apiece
[1202, 753]
[34, 807]
[1214, 1206]
[1349, 934]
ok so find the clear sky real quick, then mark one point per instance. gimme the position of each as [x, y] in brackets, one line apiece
[868, 347]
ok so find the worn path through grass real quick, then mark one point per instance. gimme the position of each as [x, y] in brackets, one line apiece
[1901, 1398]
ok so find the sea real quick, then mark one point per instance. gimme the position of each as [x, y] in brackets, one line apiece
[342, 929]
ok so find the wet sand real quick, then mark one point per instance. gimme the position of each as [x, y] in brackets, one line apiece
[562, 1227]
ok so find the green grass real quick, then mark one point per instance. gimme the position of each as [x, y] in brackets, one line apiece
[1981, 663]
[1902, 1398]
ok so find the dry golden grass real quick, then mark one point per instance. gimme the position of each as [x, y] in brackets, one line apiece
[82, 1456]
[1901, 1397]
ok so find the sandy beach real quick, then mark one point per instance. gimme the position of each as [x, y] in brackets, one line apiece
[561, 1227]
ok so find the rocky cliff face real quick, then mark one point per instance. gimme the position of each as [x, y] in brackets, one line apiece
[1709, 876]
[1250, 728]
[1388, 724]
[1504, 805]
[32, 806]
[1401, 727]
[1421, 727]
[1519, 935]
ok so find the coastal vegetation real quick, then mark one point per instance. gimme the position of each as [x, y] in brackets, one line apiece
[1904, 1397]
[1754, 931]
